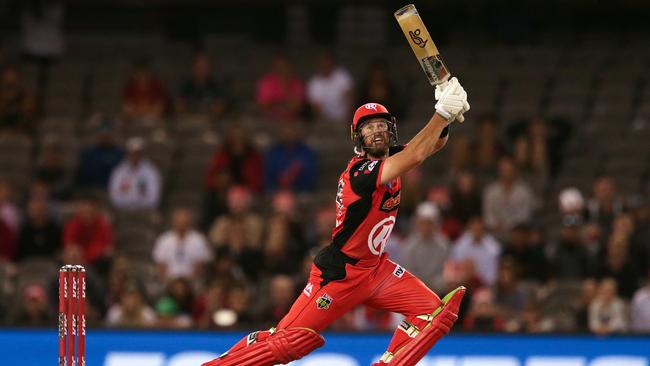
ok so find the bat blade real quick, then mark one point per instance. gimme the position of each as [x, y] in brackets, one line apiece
[423, 47]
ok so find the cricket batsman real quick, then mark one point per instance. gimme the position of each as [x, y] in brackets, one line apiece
[354, 269]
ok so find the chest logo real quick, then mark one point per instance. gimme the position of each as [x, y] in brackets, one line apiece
[390, 202]
[379, 235]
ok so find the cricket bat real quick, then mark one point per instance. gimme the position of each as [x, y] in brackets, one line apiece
[423, 47]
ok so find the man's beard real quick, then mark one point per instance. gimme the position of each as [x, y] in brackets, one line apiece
[375, 150]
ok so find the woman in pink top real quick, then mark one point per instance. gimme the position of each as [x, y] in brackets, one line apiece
[281, 93]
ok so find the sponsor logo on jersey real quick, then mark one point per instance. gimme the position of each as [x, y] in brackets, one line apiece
[379, 235]
[372, 106]
[324, 302]
[308, 289]
[399, 271]
[390, 202]
[372, 165]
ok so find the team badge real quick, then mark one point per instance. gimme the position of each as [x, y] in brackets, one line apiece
[324, 302]
[372, 106]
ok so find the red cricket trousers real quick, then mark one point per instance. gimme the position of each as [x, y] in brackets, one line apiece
[385, 286]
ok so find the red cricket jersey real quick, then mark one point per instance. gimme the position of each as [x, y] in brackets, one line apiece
[365, 217]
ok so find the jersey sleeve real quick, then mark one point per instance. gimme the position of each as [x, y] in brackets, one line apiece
[365, 176]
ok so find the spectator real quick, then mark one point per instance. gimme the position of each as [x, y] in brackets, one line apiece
[329, 91]
[572, 205]
[239, 212]
[321, 233]
[607, 313]
[131, 311]
[181, 251]
[426, 248]
[481, 248]
[282, 252]
[135, 183]
[483, 314]
[144, 94]
[413, 192]
[530, 157]
[201, 92]
[618, 265]
[237, 162]
[7, 242]
[208, 303]
[281, 93]
[587, 296]
[170, 316]
[90, 230]
[52, 171]
[528, 258]
[640, 309]
[640, 238]
[465, 198]
[487, 148]
[605, 204]
[532, 321]
[290, 164]
[461, 157]
[508, 201]
[511, 295]
[284, 206]
[377, 88]
[96, 162]
[180, 291]
[544, 140]
[39, 235]
[281, 295]
[17, 106]
[9, 214]
[568, 256]
[34, 311]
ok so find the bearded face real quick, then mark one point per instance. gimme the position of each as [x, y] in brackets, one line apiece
[376, 137]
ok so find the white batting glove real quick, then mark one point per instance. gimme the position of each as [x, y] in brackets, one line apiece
[452, 101]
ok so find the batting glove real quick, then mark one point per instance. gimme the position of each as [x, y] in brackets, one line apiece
[452, 101]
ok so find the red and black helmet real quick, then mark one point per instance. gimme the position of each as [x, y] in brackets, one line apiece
[368, 111]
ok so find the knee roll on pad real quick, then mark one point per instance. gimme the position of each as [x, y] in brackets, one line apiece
[282, 346]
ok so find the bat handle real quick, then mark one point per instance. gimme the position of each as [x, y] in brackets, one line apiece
[460, 118]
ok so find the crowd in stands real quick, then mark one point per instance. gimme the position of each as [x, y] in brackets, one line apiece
[241, 260]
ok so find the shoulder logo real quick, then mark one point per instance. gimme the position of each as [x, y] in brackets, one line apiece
[324, 302]
[372, 106]
[308, 289]
[379, 235]
[372, 165]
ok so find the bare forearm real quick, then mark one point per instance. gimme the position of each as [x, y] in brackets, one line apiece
[428, 140]
[423, 145]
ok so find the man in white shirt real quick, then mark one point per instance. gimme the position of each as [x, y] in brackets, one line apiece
[480, 248]
[135, 182]
[426, 248]
[640, 309]
[181, 251]
[329, 91]
[508, 201]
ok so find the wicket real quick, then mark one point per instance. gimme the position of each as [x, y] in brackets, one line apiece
[72, 316]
